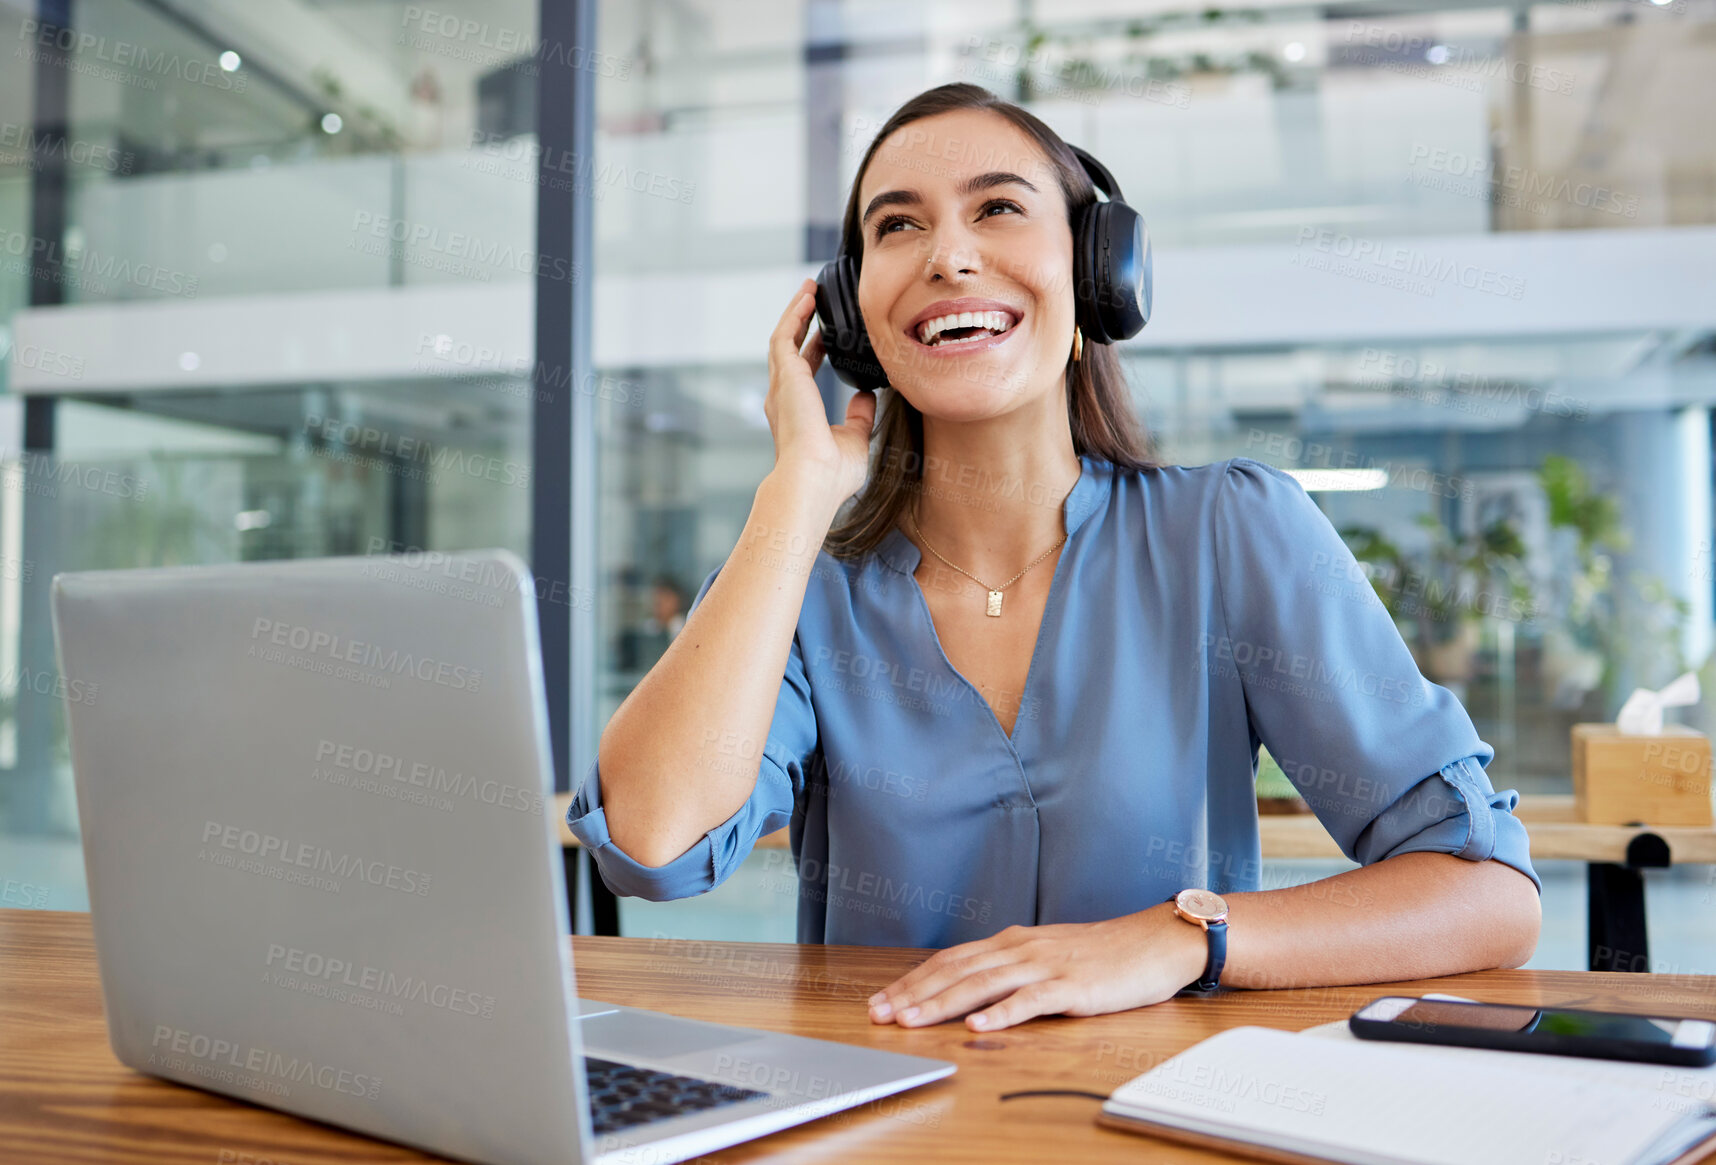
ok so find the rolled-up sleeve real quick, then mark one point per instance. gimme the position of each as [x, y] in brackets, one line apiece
[1389, 762]
[781, 768]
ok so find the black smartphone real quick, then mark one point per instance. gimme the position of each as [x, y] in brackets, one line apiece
[1555, 1031]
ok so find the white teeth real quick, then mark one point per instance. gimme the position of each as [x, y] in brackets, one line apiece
[995, 321]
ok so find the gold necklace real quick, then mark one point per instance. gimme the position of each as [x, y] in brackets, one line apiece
[994, 607]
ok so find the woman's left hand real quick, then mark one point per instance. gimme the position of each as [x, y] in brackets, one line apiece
[1081, 968]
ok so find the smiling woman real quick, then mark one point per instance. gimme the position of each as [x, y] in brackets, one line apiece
[1075, 822]
[1023, 195]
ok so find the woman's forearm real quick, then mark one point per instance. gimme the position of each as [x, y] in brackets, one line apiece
[1413, 916]
[680, 755]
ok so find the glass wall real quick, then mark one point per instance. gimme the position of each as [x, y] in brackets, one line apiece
[269, 283]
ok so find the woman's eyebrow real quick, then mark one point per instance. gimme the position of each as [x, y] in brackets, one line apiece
[970, 186]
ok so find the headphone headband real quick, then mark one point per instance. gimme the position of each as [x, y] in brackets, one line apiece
[1099, 175]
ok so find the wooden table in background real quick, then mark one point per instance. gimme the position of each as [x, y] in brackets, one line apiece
[64, 1098]
[1617, 936]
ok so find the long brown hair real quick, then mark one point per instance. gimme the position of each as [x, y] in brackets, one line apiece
[1099, 406]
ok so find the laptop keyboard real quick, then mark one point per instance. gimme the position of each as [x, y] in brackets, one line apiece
[623, 1096]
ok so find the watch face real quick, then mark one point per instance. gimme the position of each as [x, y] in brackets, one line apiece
[1201, 904]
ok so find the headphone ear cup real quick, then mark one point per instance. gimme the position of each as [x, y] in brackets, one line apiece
[1126, 272]
[843, 336]
[1112, 269]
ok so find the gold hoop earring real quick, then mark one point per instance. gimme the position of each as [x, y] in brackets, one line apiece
[1078, 343]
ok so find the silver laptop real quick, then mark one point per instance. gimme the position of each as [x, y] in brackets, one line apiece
[325, 876]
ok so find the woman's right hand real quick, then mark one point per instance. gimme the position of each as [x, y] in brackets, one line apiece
[804, 440]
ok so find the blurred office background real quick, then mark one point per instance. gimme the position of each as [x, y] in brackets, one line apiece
[269, 274]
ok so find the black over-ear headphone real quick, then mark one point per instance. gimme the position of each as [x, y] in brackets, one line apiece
[1111, 283]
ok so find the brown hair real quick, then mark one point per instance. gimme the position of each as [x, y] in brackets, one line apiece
[1099, 406]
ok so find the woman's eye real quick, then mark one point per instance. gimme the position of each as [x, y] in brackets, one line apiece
[884, 226]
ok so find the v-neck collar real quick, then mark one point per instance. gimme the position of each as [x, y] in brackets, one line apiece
[1094, 479]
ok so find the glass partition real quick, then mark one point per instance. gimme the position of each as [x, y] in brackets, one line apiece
[281, 308]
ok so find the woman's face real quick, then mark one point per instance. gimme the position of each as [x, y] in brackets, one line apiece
[962, 212]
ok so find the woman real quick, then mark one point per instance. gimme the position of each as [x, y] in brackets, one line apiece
[1028, 782]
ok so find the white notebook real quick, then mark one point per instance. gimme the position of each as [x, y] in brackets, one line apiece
[1324, 1095]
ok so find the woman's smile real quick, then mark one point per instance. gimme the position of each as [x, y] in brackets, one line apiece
[958, 327]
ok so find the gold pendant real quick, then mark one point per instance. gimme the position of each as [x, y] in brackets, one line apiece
[994, 603]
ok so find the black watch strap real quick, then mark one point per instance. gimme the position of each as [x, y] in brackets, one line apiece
[1216, 933]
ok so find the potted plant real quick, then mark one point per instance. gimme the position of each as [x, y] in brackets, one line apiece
[1439, 596]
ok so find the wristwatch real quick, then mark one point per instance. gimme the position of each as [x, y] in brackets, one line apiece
[1208, 910]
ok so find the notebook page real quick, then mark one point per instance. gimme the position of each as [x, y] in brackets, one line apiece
[1371, 1103]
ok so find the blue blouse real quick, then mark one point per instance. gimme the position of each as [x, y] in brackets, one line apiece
[1194, 612]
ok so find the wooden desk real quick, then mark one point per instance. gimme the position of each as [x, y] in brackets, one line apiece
[1617, 930]
[64, 1098]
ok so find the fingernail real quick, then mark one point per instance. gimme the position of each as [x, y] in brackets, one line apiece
[909, 1013]
[979, 1021]
[882, 1009]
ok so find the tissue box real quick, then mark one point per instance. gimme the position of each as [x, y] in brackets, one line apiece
[1619, 779]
